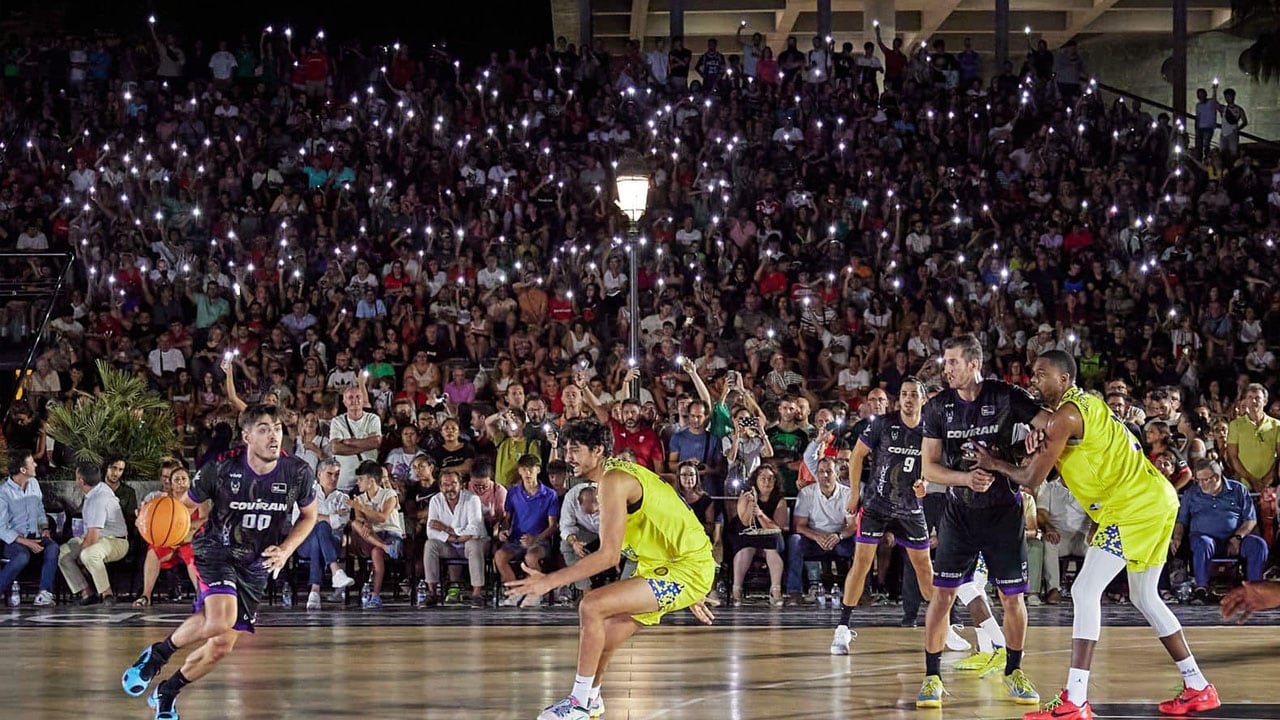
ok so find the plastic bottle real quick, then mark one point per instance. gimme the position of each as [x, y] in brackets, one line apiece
[836, 596]
[15, 595]
[820, 596]
[286, 595]
[366, 592]
[420, 599]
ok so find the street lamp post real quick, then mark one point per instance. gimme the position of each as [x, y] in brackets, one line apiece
[632, 182]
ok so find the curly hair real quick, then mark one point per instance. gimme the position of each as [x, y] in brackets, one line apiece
[591, 433]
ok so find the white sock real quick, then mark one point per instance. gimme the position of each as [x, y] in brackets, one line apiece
[984, 640]
[595, 693]
[1078, 686]
[582, 689]
[993, 631]
[1191, 675]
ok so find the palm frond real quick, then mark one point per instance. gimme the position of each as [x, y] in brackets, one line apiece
[126, 418]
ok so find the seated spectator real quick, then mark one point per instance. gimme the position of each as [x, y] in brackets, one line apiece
[105, 539]
[1065, 531]
[321, 546]
[1218, 516]
[493, 497]
[453, 452]
[580, 527]
[24, 527]
[167, 558]
[755, 529]
[823, 531]
[695, 443]
[422, 486]
[455, 529]
[532, 515]
[376, 523]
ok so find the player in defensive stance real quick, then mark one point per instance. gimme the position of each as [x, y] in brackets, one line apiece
[983, 514]
[643, 517]
[892, 503]
[1135, 508]
[248, 498]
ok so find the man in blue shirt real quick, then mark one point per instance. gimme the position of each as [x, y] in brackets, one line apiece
[696, 442]
[1220, 515]
[24, 527]
[532, 517]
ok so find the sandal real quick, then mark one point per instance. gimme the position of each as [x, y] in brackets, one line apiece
[142, 602]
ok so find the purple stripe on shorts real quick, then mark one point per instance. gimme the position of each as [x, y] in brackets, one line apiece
[868, 540]
[913, 545]
[1019, 589]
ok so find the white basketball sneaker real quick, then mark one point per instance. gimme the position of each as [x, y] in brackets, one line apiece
[955, 642]
[841, 640]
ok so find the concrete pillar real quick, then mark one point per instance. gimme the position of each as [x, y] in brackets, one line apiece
[677, 18]
[1002, 36]
[824, 18]
[1178, 74]
[584, 23]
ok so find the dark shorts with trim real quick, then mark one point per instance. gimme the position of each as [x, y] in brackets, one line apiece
[909, 530]
[223, 576]
[996, 532]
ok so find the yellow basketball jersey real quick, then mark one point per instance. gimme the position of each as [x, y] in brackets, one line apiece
[1107, 471]
[663, 530]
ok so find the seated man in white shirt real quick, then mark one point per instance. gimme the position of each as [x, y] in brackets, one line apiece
[105, 539]
[455, 529]
[823, 528]
[321, 546]
[1066, 532]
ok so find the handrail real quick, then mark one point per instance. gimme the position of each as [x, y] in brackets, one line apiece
[1185, 115]
[68, 260]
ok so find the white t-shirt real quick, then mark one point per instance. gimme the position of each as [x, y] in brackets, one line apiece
[222, 64]
[826, 514]
[344, 428]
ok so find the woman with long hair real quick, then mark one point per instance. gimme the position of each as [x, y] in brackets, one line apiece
[689, 486]
[756, 528]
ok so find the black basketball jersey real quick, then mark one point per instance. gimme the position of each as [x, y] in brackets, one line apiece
[895, 465]
[249, 512]
[992, 420]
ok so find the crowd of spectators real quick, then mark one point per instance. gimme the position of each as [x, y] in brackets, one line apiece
[421, 260]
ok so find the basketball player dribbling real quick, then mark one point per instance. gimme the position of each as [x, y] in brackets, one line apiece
[247, 498]
[1135, 508]
[643, 517]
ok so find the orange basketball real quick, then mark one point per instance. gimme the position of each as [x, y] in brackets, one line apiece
[164, 522]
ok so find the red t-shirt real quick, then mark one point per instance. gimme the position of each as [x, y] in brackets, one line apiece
[315, 67]
[773, 283]
[560, 310]
[643, 441]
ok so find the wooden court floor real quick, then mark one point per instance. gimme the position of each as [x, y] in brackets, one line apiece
[510, 673]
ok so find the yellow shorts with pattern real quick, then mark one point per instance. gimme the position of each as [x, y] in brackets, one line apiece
[1141, 543]
[676, 586]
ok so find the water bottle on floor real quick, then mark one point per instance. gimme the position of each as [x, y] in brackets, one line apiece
[286, 595]
[837, 599]
[365, 593]
[15, 595]
[820, 596]
[420, 599]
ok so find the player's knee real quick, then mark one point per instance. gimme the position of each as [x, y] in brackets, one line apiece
[220, 647]
[591, 607]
